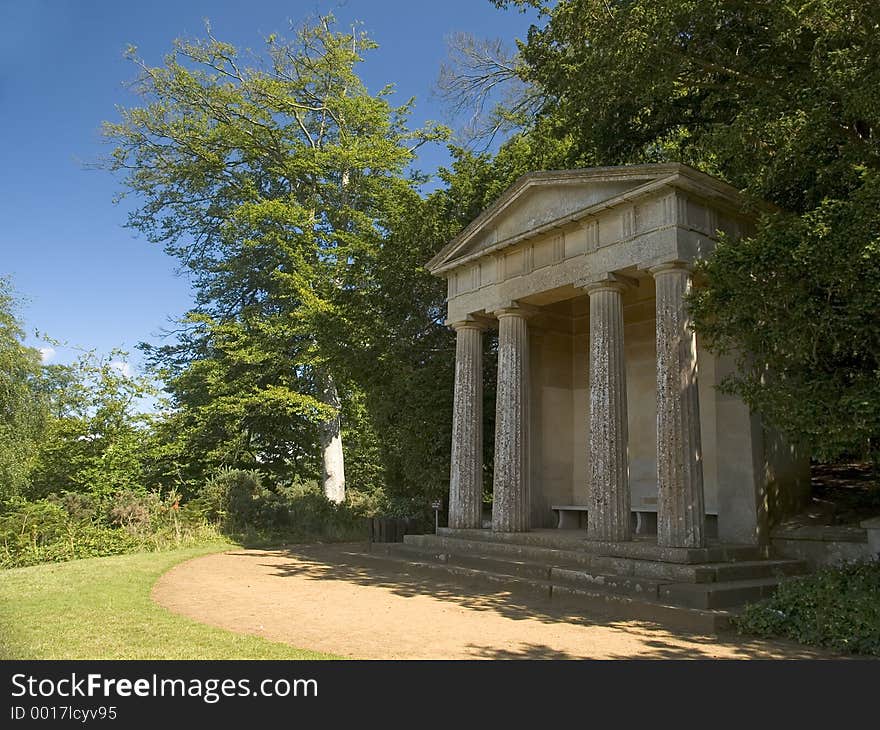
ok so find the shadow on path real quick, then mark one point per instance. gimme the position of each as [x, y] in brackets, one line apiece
[348, 563]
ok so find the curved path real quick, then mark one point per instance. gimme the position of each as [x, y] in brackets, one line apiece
[331, 599]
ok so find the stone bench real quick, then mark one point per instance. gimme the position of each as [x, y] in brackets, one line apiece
[568, 515]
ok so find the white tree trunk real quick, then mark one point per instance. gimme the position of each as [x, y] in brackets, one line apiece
[331, 445]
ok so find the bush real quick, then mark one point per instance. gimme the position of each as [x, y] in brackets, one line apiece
[310, 513]
[239, 503]
[233, 502]
[68, 527]
[838, 608]
[229, 496]
[44, 531]
[77, 505]
[133, 510]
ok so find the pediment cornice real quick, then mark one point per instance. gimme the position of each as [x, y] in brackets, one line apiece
[603, 188]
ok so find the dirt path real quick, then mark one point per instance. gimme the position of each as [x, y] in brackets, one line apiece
[329, 599]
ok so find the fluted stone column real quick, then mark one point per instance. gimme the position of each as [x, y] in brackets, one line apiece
[466, 473]
[608, 517]
[680, 506]
[511, 499]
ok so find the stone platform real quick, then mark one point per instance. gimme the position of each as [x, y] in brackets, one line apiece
[695, 589]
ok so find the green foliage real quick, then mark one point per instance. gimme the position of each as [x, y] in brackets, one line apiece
[281, 188]
[70, 527]
[801, 297]
[94, 439]
[245, 509]
[230, 495]
[837, 608]
[783, 101]
[23, 405]
[269, 182]
[779, 98]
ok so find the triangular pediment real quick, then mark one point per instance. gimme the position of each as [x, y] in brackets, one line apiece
[543, 200]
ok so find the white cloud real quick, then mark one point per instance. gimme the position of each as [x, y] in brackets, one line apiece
[47, 354]
[122, 367]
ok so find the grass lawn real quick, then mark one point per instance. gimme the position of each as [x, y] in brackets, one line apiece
[100, 608]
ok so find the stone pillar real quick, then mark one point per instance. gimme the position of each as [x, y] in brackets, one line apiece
[511, 497]
[680, 508]
[608, 517]
[466, 473]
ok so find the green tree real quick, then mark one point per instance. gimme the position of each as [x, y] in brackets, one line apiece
[95, 437]
[782, 99]
[23, 407]
[267, 182]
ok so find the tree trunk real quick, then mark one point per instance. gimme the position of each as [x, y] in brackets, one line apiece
[331, 445]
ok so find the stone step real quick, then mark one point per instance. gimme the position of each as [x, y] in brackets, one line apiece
[751, 569]
[588, 579]
[594, 599]
[533, 558]
[520, 568]
[631, 608]
[539, 571]
[636, 549]
[718, 595]
[474, 576]
[556, 557]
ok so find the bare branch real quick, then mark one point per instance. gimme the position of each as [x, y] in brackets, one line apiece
[482, 80]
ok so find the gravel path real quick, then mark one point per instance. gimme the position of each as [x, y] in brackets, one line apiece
[330, 599]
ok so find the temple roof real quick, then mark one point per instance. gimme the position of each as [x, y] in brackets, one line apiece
[540, 201]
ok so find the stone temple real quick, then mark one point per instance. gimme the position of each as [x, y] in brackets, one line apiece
[607, 410]
[625, 483]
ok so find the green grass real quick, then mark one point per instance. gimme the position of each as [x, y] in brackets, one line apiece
[100, 608]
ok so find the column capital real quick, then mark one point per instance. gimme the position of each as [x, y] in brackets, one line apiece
[471, 321]
[609, 281]
[669, 267]
[515, 309]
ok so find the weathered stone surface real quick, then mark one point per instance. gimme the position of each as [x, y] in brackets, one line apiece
[466, 473]
[609, 515]
[511, 498]
[872, 529]
[822, 545]
[680, 508]
[819, 553]
[538, 246]
[577, 542]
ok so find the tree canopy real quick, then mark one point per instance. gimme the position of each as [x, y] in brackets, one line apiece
[271, 180]
[23, 405]
[782, 100]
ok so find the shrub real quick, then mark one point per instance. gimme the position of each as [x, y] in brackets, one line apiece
[44, 531]
[838, 608]
[301, 511]
[78, 505]
[239, 503]
[229, 496]
[65, 528]
[134, 510]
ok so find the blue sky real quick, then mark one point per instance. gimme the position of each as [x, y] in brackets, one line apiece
[88, 280]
